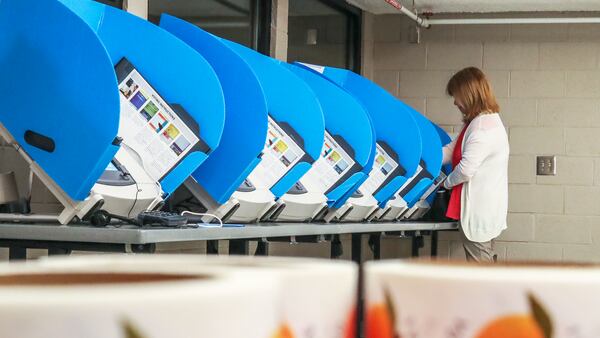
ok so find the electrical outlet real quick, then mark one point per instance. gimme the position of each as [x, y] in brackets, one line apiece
[546, 165]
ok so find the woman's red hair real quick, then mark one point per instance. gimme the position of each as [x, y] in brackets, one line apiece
[473, 90]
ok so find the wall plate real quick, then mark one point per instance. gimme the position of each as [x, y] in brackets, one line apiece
[546, 165]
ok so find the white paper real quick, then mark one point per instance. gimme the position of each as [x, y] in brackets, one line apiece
[331, 166]
[280, 154]
[384, 165]
[149, 126]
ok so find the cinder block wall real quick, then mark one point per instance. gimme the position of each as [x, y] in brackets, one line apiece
[547, 79]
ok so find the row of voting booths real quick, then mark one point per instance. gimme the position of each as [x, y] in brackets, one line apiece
[116, 114]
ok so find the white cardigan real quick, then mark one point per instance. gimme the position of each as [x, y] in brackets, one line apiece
[484, 171]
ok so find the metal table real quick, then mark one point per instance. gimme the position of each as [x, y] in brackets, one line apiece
[62, 239]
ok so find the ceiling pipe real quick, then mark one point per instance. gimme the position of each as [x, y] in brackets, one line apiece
[426, 23]
[419, 20]
[512, 21]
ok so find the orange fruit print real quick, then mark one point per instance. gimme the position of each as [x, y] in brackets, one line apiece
[379, 322]
[537, 324]
[514, 326]
[284, 331]
[350, 328]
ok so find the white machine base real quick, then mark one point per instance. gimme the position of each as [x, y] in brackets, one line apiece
[417, 211]
[130, 200]
[354, 210]
[393, 209]
[300, 208]
[245, 207]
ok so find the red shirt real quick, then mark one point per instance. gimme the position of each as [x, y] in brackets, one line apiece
[453, 211]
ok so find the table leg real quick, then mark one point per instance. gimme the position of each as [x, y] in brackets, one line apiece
[375, 245]
[238, 247]
[337, 248]
[16, 253]
[212, 247]
[417, 243]
[58, 252]
[262, 249]
[434, 244]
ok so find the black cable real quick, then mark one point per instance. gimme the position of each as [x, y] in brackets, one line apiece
[137, 191]
[125, 219]
[102, 218]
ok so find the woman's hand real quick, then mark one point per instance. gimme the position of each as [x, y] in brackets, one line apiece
[445, 185]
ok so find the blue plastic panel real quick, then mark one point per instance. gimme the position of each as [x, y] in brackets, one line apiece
[179, 73]
[246, 112]
[393, 124]
[289, 99]
[359, 180]
[445, 139]
[344, 116]
[447, 169]
[431, 143]
[431, 155]
[57, 80]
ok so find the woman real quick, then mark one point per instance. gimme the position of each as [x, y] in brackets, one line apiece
[479, 157]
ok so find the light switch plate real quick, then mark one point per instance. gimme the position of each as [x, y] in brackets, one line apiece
[546, 165]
